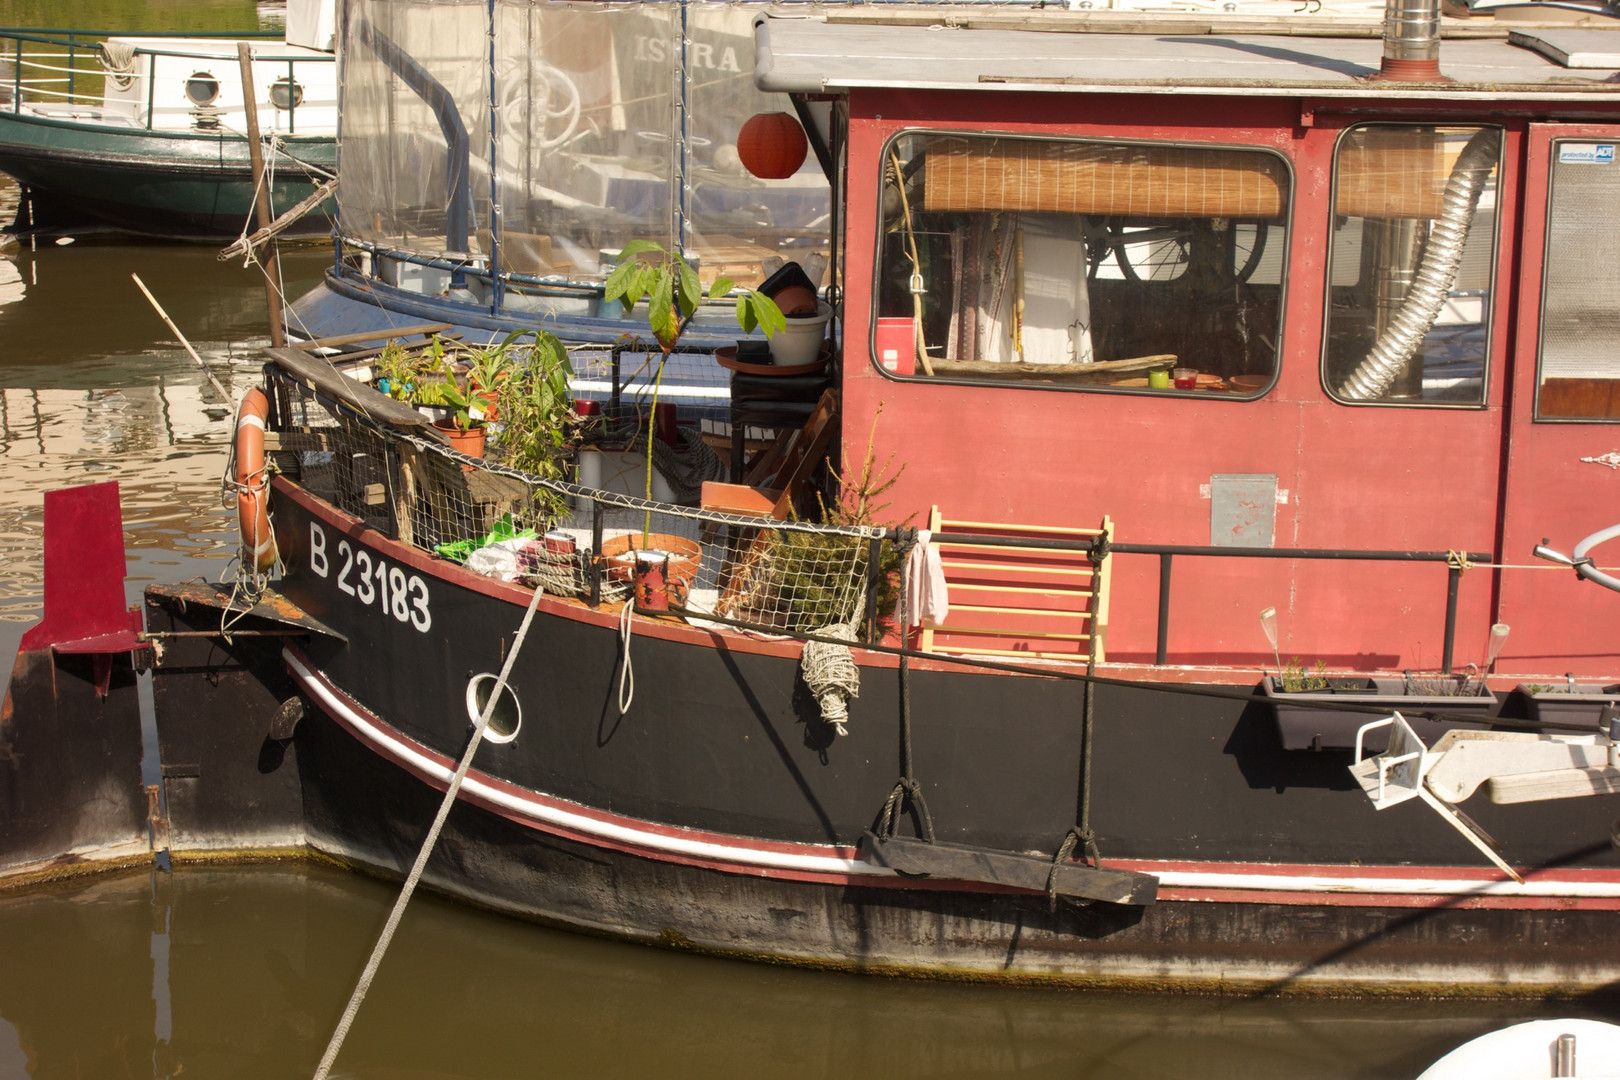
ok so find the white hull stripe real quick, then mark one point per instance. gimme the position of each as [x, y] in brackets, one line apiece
[1386, 886]
[547, 813]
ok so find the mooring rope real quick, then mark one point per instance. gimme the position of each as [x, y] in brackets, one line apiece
[415, 875]
[906, 790]
[1081, 834]
[627, 675]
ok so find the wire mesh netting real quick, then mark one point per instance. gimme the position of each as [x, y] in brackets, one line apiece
[569, 539]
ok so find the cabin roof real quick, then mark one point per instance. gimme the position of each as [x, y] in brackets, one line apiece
[799, 54]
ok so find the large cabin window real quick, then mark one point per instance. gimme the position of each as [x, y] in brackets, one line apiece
[1077, 263]
[1411, 266]
[1580, 304]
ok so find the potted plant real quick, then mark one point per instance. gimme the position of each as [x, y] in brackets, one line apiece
[537, 417]
[491, 365]
[397, 369]
[1309, 704]
[673, 293]
[464, 425]
[1569, 702]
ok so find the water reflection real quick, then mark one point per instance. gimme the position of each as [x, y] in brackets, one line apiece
[242, 972]
[93, 387]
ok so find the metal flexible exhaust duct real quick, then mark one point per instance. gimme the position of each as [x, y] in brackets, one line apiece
[1437, 270]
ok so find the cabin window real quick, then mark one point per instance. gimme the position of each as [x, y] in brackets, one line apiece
[1411, 265]
[1083, 264]
[1580, 300]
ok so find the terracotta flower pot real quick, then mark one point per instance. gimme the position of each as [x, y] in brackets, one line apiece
[469, 442]
[685, 556]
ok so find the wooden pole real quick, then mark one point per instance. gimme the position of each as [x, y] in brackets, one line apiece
[164, 315]
[261, 200]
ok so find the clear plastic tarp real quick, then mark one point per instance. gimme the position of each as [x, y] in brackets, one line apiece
[611, 122]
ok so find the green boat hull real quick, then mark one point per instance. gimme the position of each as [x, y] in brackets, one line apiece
[194, 185]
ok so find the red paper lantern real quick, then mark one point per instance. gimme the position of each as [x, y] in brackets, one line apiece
[772, 145]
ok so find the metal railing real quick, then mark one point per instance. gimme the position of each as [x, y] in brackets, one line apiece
[1166, 554]
[593, 504]
[41, 74]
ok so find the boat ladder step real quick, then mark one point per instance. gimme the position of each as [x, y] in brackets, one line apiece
[962, 862]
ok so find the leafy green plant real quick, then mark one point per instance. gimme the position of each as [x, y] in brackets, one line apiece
[537, 416]
[673, 292]
[490, 365]
[1296, 680]
[464, 404]
[399, 368]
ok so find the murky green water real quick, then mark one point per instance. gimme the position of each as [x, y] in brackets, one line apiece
[243, 972]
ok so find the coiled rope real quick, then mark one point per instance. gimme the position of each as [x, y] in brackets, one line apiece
[415, 875]
[831, 675]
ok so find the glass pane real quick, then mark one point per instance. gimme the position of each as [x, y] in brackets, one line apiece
[1412, 264]
[1580, 317]
[738, 225]
[1082, 264]
[415, 134]
[586, 99]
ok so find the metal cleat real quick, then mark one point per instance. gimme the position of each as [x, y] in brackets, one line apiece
[1397, 774]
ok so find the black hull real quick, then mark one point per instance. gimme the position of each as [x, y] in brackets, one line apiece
[717, 814]
[376, 817]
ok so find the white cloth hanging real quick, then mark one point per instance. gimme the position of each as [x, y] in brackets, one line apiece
[929, 597]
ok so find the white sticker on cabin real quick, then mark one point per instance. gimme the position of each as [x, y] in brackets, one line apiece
[1586, 153]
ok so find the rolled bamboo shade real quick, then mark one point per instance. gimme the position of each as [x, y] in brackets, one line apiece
[1395, 172]
[1081, 178]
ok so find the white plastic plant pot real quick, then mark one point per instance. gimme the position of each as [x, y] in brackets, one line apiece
[799, 342]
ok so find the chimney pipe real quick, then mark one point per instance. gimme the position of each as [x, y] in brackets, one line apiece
[1411, 42]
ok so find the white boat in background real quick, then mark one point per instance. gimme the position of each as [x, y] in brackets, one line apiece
[152, 140]
[1588, 1049]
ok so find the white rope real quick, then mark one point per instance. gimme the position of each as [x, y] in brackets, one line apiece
[627, 677]
[427, 849]
[830, 673]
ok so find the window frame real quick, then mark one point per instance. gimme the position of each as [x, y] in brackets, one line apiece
[1536, 415]
[1286, 225]
[1492, 313]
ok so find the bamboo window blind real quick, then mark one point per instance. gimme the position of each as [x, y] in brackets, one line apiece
[1396, 171]
[1083, 178]
[1382, 172]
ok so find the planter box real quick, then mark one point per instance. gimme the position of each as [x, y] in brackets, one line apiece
[1582, 706]
[1303, 725]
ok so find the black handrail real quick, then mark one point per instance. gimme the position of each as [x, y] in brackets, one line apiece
[1167, 552]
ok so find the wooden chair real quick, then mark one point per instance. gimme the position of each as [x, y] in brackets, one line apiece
[777, 480]
[786, 467]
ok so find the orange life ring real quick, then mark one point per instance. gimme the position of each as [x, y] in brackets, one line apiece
[253, 483]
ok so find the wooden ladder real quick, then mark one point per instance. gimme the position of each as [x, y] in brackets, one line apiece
[1015, 600]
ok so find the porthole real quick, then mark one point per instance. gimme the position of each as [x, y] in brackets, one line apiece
[508, 715]
[202, 88]
[286, 93]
